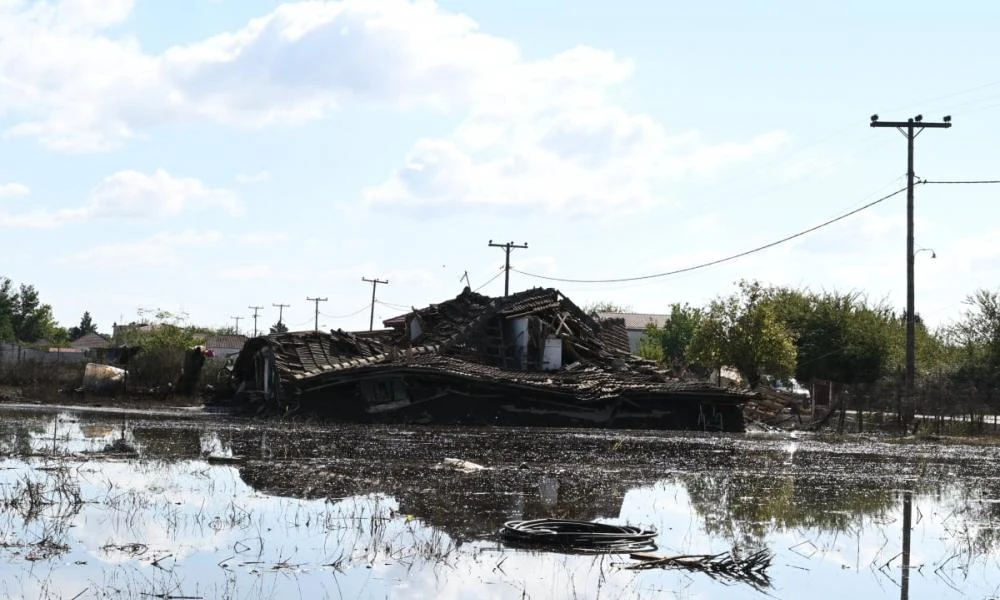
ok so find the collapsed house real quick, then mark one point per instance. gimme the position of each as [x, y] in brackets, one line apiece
[530, 358]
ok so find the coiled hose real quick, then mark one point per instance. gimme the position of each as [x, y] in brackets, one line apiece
[577, 536]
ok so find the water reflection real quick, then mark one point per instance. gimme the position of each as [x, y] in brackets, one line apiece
[364, 512]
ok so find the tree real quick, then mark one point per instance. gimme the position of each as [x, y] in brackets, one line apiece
[279, 327]
[678, 331]
[6, 310]
[31, 319]
[606, 306]
[744, 331]
[86, 327]
[838, 337]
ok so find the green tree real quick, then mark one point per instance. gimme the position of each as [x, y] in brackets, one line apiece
[279, 327]
[31, 319]
[6, 310]
[678, 331]
[838, 337]
[606, 306]
[86, 327]
[744, 331]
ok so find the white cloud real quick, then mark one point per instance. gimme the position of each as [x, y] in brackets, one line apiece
[13, 190]
[248, 272]
[133, 195]
[258, 177]
[160, 250]
[545, 131]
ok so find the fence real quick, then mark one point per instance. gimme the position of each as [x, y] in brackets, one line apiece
[14, 354]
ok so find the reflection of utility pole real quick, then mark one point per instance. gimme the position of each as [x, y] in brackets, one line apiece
[507, 248]
[237, 319]
[910, 128]
[256, 311]
[281, 310]
[904, 588]
[317, 301]
[374, 282]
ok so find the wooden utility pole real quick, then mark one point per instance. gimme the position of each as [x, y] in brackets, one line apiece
[910, 129]
[317, 301]
[256, 311]
[281, 310]
[507, 248]
[374, 282]
[237, 319]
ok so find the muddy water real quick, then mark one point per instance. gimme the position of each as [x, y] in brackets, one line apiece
[127, 506]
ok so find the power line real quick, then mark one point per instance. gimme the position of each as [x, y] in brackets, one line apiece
[910, 129]
[256, 311]
[374, 282]
[281, 310]
[967, 182]
[237, 319]
[357, 312]
[729, 258]
[491, 279]
[507, 249]
[316, 318]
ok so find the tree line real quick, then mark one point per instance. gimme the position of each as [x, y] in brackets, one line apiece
[767, 332]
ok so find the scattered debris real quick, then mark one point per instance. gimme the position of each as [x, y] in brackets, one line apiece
[462, 466]
[563, 535]
[102, 378]
[750, 569]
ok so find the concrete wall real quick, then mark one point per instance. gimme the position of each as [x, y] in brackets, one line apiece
[13, 354]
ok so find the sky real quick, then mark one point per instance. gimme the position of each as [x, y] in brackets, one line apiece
[205, 156]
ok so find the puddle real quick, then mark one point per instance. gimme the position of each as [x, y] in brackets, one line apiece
[125, 506]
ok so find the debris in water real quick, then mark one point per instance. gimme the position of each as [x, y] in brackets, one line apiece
[462, 466]
[751, 569]
[564, 535]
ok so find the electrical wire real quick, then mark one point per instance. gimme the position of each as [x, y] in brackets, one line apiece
[393, 306]
[492, 279]
[357, 312]
[968, 182]
[724, 259]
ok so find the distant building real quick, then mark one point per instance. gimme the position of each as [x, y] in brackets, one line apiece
[91, 341]
[635, 325]
[222, 346]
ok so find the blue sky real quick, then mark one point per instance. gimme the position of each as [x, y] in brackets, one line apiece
[203, 156]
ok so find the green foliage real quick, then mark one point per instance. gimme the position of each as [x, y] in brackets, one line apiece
[279, 327]
[606, 306]
[23, 317]
[650, 345]
[167, 331]
[670, 342]
[838, 336]
[163, 343]
[86, 327]
[744, 331]
[678, 332]
[6, 310]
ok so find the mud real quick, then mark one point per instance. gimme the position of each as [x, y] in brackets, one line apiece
[182, 503]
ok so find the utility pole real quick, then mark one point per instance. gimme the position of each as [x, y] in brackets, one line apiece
[507, 248]
[237, 319]
[281, 310]
[910, 129]
[374, 282]
[317, 301]
[256, 310]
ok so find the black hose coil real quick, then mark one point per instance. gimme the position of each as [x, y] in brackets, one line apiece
[577, 536]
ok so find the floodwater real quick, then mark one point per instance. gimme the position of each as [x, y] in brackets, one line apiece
[131, 506]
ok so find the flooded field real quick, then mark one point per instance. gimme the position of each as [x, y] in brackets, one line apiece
[131, 506]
